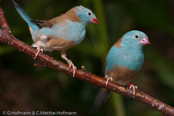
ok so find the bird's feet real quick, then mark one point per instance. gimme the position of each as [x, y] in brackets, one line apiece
[133, 87]
[108, 79]
[84, 69]
[73, 66]
[38, 50]
[63, 55]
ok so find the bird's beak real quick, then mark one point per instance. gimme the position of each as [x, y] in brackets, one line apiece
[95, 20]
[145, 41]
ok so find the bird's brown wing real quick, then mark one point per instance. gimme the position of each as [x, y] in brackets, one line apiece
[39, 23]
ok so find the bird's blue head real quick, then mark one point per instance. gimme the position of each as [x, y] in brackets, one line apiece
[86, 15]
[135, 39]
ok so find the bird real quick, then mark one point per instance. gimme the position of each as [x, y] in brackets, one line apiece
[60, 33]
[124, 60]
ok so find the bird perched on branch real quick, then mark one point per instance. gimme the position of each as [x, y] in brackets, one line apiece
[59, 33]
[122, 63]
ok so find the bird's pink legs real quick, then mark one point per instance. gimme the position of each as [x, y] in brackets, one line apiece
[63, 55]
[133, 87]
[108, 79]
[38, 50]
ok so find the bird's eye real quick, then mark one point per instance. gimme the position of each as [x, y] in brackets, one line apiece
[89, 13]
[136, 36]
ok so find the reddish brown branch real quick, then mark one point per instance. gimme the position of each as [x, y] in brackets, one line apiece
[7, 38]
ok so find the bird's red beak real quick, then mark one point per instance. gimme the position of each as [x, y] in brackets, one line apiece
[145, 41]
[95, 20]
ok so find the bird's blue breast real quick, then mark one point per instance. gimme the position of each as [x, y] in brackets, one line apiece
[130, 58]
[70, 30]
[73, 31]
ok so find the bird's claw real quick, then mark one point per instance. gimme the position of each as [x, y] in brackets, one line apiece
[133, 87]
[38, 50]
[73, 67]
[84, 69]
[108, 79]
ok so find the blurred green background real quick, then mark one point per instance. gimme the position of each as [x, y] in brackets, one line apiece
[24, 87]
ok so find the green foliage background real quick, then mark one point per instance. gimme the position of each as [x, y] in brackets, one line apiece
[24, 87]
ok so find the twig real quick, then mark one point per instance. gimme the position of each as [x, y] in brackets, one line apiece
[46, 61]
[40, 65]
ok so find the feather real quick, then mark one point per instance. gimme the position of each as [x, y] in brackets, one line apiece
[38, 22]
[100, 99]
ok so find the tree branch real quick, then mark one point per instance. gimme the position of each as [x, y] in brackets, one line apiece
[7, 38]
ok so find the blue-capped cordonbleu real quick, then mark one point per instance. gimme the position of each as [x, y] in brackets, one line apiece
[123, 62]
[59, 33]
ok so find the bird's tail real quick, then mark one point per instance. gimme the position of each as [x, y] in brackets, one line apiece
[100, 99]
[32, 26]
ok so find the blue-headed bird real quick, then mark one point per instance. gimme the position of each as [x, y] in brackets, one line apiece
[123, 62]
[60, 33]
